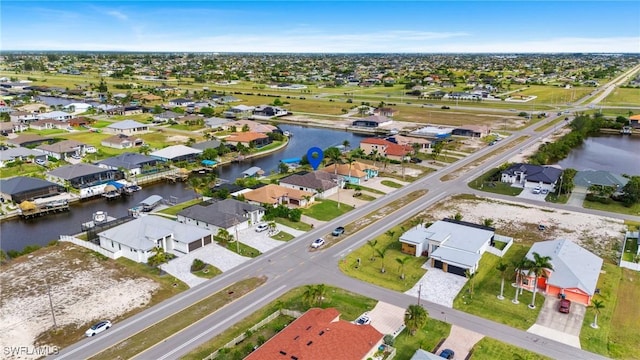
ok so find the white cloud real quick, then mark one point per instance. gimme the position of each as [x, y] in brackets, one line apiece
[117, 14]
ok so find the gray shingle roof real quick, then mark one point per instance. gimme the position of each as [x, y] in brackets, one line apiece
[536, 173]
[73, 171]
[128, 161]
[126, 125]
[223, 214]
[312, 180]
[599, 177]
[16, 152]
[20, 184]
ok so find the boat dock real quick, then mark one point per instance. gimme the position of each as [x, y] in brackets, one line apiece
[28, 212]
[176, 177]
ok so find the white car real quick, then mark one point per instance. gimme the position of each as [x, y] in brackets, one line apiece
[41, 162]
[98, 328]
[90, 150]
[363, 320]
[317, 243]
[262, 227]
[536, 190]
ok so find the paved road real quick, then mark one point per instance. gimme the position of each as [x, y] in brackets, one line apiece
[293, 265]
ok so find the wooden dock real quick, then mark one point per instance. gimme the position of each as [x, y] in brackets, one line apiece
[43, 210]
[176, 177]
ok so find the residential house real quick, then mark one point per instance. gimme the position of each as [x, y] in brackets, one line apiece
[77, 108]
[478, 131]
[238, 111]
[182, 102]
[177, 153]
[319, 334]
[21, 188]
[373, 121]
[320, 183]
[408, 141]
[634, 121]
[248, 139]
[80, 121]
[45, 124]
[62, 149]
[127, 127]
[136, 239]
[269, 111]
[575, 271]
[433, 132]
[587, 178]
[424, 355]
[531, 176]
[217, 123]
[124, 110]
[28, 140]
[23, 116]
[133, 163]
[354, 173]
[121, 141]
[385, 148]
[165, 116]
[227, 214]
[453, 246]
[12, 154]
[385, 112]
[279, 195]
[88, 178]
[55, 115]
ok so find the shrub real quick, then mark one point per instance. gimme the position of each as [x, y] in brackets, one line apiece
[389, 339]
[197, 265]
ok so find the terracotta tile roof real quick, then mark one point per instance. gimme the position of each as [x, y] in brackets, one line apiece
[271, 194]
[397, 150]
[319, 335]
[376, 141]
[357, 169]
[245, 137]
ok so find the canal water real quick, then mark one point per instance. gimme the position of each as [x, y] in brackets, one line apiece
[16, 234]
[614, 153]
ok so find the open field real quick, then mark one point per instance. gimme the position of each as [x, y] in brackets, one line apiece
[623, 97]
[78, 279]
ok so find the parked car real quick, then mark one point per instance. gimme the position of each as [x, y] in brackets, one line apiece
[445, 107]
[76, 156]
[41, 162]
[447, 354]
[262, 227]
[363, 320]
[317, 243]
[544, 191]
[565, 306]
[536, 190]
[98, 328]
[90, 150]
[415, 160]
[338, 231]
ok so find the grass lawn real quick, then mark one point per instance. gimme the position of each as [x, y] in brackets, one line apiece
[349, 304]
[630, 250]
[282, 236]
[242, 249]
[390, 183]
[617, 336]
[491, 349]
[550, 124]
[294, 225]
[484, 183]
[174, 210]
[101, 124]
[427, 338]
[169, 326]
[27, 169]
[186, 127]
[558, 199]
[326, 210]
[622, 97]
[484, 302]
[370, 267]
[46, 132]
[616, 207]
[208, 272]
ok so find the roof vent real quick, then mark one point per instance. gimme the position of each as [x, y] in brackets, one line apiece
[309, 343]
[321, 333]
[283, 352]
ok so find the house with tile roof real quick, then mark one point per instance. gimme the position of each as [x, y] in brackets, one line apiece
[354, 173]
[531, 176]
[177, 153]
[385, 148]
[121, 141]
[248, 139]
[136, 239]
[273, 194]
[320, 334]
[228, 214]
[322, 184]
[575, 271]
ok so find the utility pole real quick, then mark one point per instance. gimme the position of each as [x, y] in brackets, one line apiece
[419, 292]
[55, 325]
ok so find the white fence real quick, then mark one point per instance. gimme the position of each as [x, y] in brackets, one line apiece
[504, 239]
[255, 327]
[630, 265]
[88, 245]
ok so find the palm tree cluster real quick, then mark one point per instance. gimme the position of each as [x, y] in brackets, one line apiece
[415, 317]
[314, 295]
[533, 267]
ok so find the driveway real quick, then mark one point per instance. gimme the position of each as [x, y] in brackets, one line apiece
[438, 286]
[552, 324]
[387, 318]
[578, 194]
[262, 240]
[528, 194]
[461, 341]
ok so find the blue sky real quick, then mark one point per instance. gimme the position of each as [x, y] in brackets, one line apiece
[322, 26]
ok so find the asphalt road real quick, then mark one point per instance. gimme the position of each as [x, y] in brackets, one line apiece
[293, 265]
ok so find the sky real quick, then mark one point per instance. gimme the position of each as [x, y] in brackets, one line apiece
[322, 26]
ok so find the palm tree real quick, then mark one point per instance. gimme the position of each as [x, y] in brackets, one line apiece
[390, 234]
[519, 266]
[402, 261]
[537, 268]
[309, 295]
[350, 161]
[502, 268]
[346, 144]
[415, 317]
[224, 236]
[381, 253]
[471, 276]
[487, 222]
[597, 306]
[372, 244]
[321, 292]
[416, 148]
[159, 256]
[374, 155]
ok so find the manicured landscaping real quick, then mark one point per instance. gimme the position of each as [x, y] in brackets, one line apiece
[427, 338]
[208, 272]
[292, 224]
[484, 183]
[326, 210]
[282, 236]
[390, 183]
[484, 301]
[492, 349]
[370, 264]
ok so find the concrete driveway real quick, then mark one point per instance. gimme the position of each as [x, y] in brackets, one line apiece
[438, 286]
[557, 326]
[461, 341]
[528, 194]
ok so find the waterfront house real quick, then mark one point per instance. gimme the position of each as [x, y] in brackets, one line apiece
[137, 239]
[321, 334]
[55, 115]
[238, 111]
[133, 163]
[227, 214]
[88, 178]
[177, 153]
[248, 139]
[21, 188]
[269, 111]
[385, 148]
[575, 271]
[217, 123]
[322, 184]
[182, 102]
[531, 176]
[634, 121]
[385, 112]
[373, 121]
[252, 126]
[354, 173]
[45, 124]
[127, 127]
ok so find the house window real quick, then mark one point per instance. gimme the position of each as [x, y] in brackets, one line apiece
[525, 281]
[112, 244]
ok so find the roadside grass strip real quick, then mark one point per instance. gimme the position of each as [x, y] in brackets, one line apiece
[173, 324]
[491, 349]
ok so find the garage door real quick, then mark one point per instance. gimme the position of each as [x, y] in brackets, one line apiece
[437, 264]
[456, 270]
[194, 245]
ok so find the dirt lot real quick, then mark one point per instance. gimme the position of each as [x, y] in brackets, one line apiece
[83, 288]
[599, 234]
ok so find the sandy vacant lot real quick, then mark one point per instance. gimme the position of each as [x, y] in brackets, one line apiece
[596, 233]
[83, 289]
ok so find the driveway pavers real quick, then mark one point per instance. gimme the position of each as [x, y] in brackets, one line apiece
[560, 327]
[438, 286]
[461, 341]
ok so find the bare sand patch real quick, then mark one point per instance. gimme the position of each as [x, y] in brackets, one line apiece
[83, 289]
[180, 139]
[598, 234]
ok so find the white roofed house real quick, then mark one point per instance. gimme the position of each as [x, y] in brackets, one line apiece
[136, 239]
[177, 153]
[78, 108]
[55, 115]
[62, 149]
[127, 127]
[238, 111]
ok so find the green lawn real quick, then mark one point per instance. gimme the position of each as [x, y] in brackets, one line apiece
[282, 236]
[617, 335]
[186, 127]
[294, 225]
[616, 207]
[492, 349]
[484, 183]
[630, 250]
[390, 183]
[427, 338]
[208, 272]
[242, 249]
[27, 169]
[369, 268]
[485, 303]
[622, 97]
[558, 199]
[174, 210]
[326, 210]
